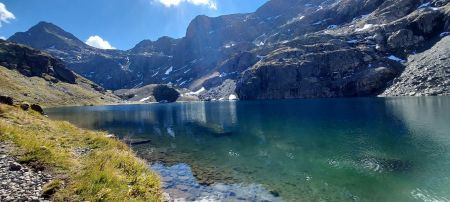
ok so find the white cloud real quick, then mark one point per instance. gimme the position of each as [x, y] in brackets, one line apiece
[210, 3]
[98, 42]
[5, 15]
[2, 37]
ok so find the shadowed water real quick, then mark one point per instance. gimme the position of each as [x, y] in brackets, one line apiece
[362, 149]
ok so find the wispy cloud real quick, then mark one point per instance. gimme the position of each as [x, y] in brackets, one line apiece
[97, 42]
[210, 3]
[5, 15]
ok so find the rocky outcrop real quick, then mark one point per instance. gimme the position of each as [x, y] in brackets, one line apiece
[426, 73]
[223, 91]
[145, 94]
[403, 38]
[164, 93]
[31, 62]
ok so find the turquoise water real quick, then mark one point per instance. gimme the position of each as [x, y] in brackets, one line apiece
[361, 149]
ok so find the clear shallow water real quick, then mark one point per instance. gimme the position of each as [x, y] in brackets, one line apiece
[179, 184]
[362, 149]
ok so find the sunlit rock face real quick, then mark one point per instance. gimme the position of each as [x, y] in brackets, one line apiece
[360, 52]
[285, 49]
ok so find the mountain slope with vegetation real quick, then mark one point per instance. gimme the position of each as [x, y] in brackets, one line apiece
[29, 75]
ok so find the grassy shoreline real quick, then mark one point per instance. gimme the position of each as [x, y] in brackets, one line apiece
[88, 166]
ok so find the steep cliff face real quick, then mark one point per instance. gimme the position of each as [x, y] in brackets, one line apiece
[31, 62]
[285, 49]
[297, 73]
[359, 57]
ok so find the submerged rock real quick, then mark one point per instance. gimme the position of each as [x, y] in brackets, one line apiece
[179, 183]
[274, 193]
[387, 165]
[396, 165]
[135, 142]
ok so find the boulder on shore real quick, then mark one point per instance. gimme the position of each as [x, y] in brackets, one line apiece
[25, 106]
[37, 108]
[6, 100]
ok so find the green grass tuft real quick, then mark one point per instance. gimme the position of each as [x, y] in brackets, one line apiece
[109, 171]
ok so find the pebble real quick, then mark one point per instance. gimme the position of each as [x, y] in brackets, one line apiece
[81, 151]
[18, 182]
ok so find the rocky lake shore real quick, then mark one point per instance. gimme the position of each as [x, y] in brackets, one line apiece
[20, 182]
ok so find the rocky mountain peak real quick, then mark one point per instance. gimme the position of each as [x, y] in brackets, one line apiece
[45, 35]
[199, 25]
[164, 45]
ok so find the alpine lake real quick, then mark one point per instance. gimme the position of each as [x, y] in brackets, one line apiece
[355, 149]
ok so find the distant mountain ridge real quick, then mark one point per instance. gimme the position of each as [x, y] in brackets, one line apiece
[285, 49]
[30, 75]
[46, 35]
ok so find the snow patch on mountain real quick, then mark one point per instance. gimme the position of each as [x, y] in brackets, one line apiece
[168, 71]
[365, 27]
[396, 59]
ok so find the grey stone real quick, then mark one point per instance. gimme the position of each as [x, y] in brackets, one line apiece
[14, 167]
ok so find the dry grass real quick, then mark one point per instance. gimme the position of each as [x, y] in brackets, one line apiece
[110, 171]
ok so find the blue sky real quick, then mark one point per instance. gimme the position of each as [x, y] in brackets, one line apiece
[122, 23]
